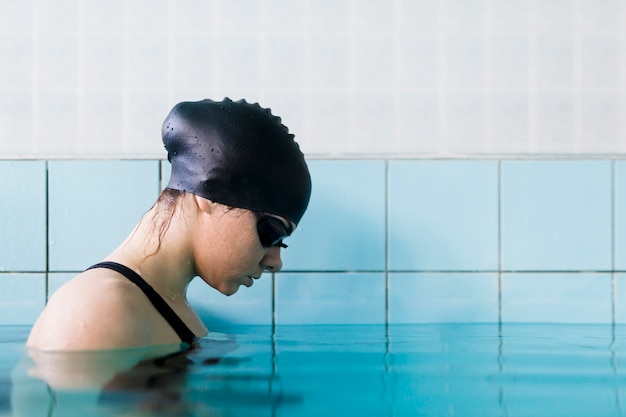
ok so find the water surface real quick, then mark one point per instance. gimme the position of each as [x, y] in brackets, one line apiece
[405, 370]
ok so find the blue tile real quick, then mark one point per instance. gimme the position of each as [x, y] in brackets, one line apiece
[23, 215]
[556, 215]
[344, 227]
[443, 298]
[330, 298]
[620, 298]
[443, 215]
[94, 206]
[247, 306]
[166, 172]
[57, 279]
[22, 298]
[620, 215]
[556, 298]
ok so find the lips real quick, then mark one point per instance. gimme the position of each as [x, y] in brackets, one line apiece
[250, 280]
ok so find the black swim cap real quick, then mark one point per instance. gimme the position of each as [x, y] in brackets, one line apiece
[238, 154]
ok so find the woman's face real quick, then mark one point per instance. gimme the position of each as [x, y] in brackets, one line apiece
[227, 249]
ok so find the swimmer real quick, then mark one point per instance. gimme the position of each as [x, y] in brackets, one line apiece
[238, 188]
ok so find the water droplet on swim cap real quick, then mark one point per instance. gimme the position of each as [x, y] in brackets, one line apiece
[238, 154]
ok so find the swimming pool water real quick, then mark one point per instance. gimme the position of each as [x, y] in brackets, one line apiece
[409, 370]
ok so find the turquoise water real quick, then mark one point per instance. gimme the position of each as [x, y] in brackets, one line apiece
[413, 370]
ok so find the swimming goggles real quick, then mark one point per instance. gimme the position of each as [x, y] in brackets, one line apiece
[271, 230]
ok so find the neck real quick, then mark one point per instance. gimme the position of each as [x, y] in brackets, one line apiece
[164, 260]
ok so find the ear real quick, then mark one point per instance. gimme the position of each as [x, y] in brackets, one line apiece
[205, 205]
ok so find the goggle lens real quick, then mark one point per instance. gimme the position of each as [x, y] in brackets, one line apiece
[271, 230]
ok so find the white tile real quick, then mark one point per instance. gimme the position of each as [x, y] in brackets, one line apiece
[509, 17]
[554, 63]
[329, 63]
[284, 64]
[285, 17]
[17, 17]
[600, 17]
[509, 64]
[147, 64]
[465, 122]
[328, 16]
[601, 63]
[373, 124]
[103, 57]
[418, 17]
[57, 17]
[237, 63]
[555, 16]
[58, 63]
[464, 63]
[418, 63]
[465, 16]
[374, 17]
[16, 72]
[238, 17]
[326, 109]
[373, 59]
[509, 123]
[555, 122]
[16, 122]
[103, 17]
[417, 123]
[193, 62]
[600, 122]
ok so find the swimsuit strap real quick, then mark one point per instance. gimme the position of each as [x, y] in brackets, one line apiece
[157, 301]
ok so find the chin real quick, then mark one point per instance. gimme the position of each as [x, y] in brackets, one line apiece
[230, 291]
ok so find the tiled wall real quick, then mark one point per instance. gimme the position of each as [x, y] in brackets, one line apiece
[397, 241]
[443, 77]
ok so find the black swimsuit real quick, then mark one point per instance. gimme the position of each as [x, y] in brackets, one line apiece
[157, 301]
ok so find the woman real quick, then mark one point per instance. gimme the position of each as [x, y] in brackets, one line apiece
[239, 186]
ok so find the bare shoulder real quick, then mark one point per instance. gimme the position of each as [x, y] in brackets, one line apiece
[98, 309]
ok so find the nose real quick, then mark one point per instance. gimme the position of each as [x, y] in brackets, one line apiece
[271, 261]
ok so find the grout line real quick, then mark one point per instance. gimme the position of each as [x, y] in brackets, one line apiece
[447, 271]
[500, 243]
[380, 271]
[577, 76]
[532, 77]
[79, 139]
[613, 277]
[273, 303]
[47, 233]
[582, 156]
[35, 75]
[442, 91]
[387, 244]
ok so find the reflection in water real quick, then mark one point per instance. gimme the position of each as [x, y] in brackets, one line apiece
[442, 370]
[207, 379]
